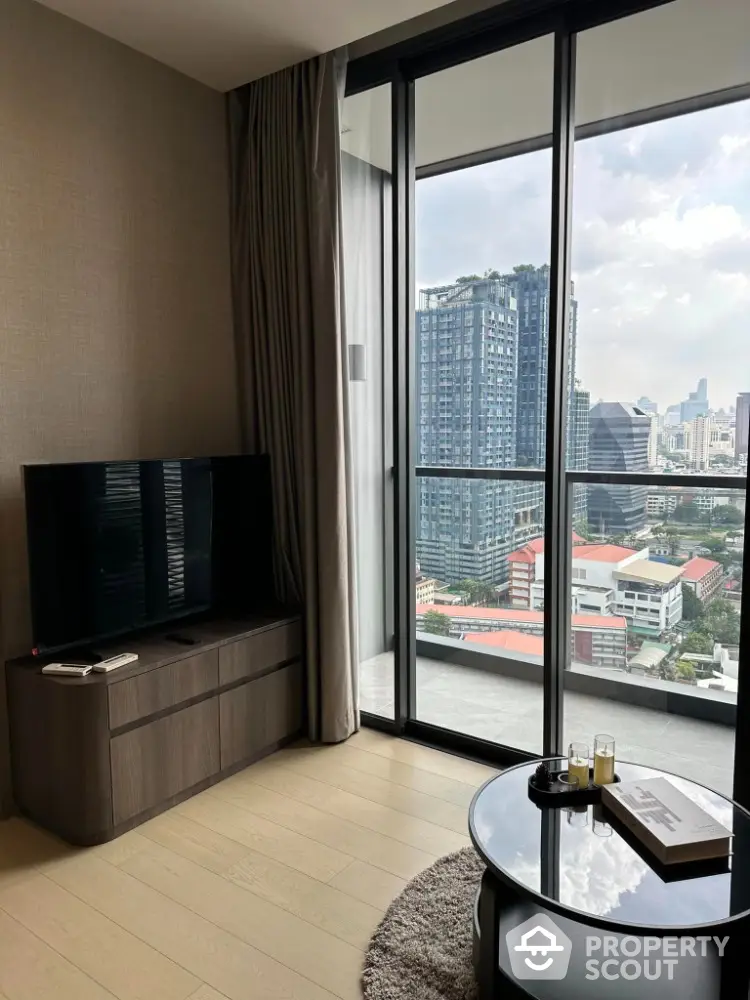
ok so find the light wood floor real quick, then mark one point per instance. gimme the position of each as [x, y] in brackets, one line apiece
[267, 886]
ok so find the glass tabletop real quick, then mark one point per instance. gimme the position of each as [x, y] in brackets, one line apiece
[578, 858]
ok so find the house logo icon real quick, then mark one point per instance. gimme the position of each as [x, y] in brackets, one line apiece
[538, 949]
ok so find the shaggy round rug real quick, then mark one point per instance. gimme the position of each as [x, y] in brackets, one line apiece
[422, 949]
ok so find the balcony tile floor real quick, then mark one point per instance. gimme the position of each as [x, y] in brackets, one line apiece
[509, 711]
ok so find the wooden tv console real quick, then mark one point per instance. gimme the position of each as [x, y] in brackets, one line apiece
[95, 756]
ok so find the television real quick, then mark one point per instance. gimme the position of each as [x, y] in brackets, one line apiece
[116, 547]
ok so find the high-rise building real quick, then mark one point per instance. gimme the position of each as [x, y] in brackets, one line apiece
[653, 440]
[696, 405]
[700, 442]
[578, 449]
[672, 416]
[530, 288]
[647, 405]
[482, 402]
[467, 336]
[742, 425]
[618, 442]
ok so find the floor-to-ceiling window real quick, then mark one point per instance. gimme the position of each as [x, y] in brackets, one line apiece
[481, 276]
[577, 242]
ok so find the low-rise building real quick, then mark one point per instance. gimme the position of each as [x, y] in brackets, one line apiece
[425, 588]
[597, 640]
[703, 576]
[525, 567]
[609, 580]
[649, 595]
[522, 572]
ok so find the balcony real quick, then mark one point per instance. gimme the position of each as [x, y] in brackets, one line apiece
[496, 703]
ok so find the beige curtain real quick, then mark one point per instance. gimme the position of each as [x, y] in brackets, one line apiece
[289, 321]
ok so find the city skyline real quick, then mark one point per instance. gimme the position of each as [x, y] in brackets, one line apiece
[661, 249]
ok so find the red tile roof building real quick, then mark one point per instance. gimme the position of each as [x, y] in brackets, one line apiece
[513, 642]
[703, 576]
[599, 640]
[524, 569]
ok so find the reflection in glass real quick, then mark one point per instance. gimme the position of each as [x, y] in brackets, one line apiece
[366, 183]
[598, 870]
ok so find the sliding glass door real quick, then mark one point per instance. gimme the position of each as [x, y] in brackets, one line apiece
[570, 250]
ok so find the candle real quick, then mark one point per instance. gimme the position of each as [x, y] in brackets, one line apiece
[578, 763]
[604, 759]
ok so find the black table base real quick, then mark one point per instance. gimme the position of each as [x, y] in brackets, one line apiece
[728, 978]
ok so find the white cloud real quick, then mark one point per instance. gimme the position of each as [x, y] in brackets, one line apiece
[693, 230]
[661, 249]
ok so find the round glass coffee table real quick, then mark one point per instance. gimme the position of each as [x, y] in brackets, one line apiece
[571, 906]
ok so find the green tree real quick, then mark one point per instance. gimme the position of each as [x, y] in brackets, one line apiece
[692, 607]
[466, 278]
[519, 268]
[672, 539]
[492, 275]
[689, 513]
[685, 670]
[472, 588]
[436, 623]
[721, 622]
[666, 671]
[727, 514]
[716, 546]
[486, 593]
[582, 529]
[698, 642]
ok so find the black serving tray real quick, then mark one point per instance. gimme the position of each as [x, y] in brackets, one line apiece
[556, 795]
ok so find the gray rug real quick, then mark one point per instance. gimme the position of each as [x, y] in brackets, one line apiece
[422, 948]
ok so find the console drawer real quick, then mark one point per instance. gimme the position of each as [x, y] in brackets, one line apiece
[163, 758]
[167, 686]
[249, 657]
[260, 714]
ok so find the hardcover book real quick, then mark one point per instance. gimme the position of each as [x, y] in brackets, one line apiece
[670, 824]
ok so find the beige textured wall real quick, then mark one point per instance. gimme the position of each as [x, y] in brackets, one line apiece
[115, 324]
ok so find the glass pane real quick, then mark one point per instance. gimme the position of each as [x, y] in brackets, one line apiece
[660, 255]
[481, 344]
[663, 610]
[480, 620]
[661, 247]
[366, 159]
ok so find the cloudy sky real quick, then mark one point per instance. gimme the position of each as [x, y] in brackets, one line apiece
[661, 249]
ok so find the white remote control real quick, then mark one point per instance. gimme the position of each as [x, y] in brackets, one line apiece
[67, 669]
[114, 662]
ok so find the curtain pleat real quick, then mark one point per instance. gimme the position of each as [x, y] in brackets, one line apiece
[287, 276]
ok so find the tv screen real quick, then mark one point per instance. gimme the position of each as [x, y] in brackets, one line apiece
[119, 546]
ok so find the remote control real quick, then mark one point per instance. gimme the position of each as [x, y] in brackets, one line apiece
[121, 660]
[67, 669]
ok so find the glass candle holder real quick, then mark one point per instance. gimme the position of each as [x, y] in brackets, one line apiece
[578, 763]
[568, 782]
[604, 759]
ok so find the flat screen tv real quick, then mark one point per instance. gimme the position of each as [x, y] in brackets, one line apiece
[116, 547]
